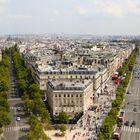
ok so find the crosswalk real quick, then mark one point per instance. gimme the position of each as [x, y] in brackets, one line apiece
[130, 129]
[14, 128]
[14, 99]
[11, 128]
[131, 110]
[12, 108]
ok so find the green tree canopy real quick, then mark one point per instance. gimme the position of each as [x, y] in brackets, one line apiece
[22, 85]
[28, 105]
[63, 128]
[4, 118]
[63, 117]
[45, 116]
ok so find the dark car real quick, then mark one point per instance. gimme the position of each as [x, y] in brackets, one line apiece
[135, 110]
[128, 92]
[126, 123]
[133, 123]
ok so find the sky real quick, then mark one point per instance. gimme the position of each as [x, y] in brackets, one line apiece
[97, 17]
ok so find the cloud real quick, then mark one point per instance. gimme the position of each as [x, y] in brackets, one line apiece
[52, 20]
[114, 8]
[3, 2]
[20, 17]
[3, 6]
[56, 13]
[81, 10]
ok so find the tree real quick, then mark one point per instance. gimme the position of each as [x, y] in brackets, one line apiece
[31, 136]
[38, 105]
[4, 103]
[36, 131]
[63, 128]
[37, 134]
[5, 60]
[124, 82]
[113, 113]
[28, 105]
[3, 86]
[45, 116]
[33, 120]
[33, 88]
[130, 67]
[100, 136]
[29, 76]
[35, 96]
[105, 130]
[25, 96]
[22, 85]
[21, 72]
[3, 95]
[63, 117]
[4, 118]
[117, 102]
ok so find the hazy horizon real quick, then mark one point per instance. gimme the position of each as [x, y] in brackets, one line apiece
[96, 17]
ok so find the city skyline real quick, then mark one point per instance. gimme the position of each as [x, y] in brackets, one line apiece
[112, 17]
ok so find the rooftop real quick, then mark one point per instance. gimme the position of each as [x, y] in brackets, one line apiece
[67, 84]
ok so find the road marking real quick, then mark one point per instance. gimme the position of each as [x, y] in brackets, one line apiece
[14, 99]
[12, 108]
[130, 129]
[131, 111]
[14, 128]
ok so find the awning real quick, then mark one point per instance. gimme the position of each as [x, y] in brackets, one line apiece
[116, 73]
[116, 133]
[96, 104]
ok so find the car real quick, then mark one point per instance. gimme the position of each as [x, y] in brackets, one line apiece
[19, 108]
[18, 118]
[133, 123]
[127, 123]
[128, 92]
[135, 110]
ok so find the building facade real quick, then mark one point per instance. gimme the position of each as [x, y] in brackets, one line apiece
[71, 96]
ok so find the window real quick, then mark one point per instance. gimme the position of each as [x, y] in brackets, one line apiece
[68, 95]
[59, 95]
[76, 95]
[80, 95]
[42, 85]
[64, 101]
[64, 95]
[55, 95]
[71, 95]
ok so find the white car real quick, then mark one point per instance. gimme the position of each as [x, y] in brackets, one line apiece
[18, 118]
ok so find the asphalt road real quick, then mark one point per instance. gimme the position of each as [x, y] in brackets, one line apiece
[132, 107]
[17, 129]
